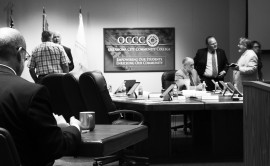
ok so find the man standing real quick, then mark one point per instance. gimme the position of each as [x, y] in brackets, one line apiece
[187, 73]
[47, 58]
[57, 39]
[211, 63]
[26, 111]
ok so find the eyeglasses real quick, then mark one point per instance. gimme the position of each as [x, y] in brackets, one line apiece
[27, 55]
[256, 47]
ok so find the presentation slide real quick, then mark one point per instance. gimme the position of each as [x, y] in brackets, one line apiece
[139, 49]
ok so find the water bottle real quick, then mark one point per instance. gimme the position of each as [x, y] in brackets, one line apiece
[124, 89]
[203, 86]
[175, 93]
[140, 91]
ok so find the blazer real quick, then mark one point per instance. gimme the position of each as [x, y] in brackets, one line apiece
[248, 65]
[68, 52]
[181, 74]
[26, 112]
[200, 61]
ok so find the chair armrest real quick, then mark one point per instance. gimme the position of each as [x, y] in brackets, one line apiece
[130, 112]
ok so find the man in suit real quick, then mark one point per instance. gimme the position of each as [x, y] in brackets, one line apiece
[211, 63]
[57, 39]
[187, 73]
[26, 112]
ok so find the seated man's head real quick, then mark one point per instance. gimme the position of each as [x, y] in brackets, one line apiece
[12, 49]
[188, 64]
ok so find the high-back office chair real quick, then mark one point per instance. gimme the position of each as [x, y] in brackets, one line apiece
[167, 78]
[73, 95]
[97, 98]
[58, 100]
[8, 152]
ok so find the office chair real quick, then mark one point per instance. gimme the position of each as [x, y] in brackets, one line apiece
[73, 94]
[8, 152]
[97, 98]
[167, 78]
[58, 100]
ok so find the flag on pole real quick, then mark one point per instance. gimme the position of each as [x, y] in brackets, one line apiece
[11, 22]
[80, 58]
[45, 25]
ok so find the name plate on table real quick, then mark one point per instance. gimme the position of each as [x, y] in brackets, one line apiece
[194, 93]
[210, 97]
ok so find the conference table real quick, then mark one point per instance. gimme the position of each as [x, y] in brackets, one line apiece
[217, 124]
[108, 139]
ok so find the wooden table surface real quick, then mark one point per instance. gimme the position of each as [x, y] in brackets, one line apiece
[107, 139]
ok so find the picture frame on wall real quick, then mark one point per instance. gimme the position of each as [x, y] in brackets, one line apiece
[139, 49]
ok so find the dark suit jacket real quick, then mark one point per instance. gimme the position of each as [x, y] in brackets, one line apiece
[68, 52]
[26, 112]
[200, 61]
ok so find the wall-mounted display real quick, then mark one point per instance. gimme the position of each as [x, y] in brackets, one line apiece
[139, 49]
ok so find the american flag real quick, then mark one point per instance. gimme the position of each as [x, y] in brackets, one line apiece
[45, 25]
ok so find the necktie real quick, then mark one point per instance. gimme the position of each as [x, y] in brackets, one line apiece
[214, 65]
[191, 80]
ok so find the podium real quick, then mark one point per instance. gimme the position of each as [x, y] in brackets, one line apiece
[256, 123]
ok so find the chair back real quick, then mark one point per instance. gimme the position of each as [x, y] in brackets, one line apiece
[8, 152]
[96, 96]
[73, 95]
[59, 102]
[167, 78]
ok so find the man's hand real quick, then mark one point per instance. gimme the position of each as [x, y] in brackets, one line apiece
[75, 122]
[222, 74]
[61, 122]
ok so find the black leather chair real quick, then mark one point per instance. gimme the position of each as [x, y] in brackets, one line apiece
[59, 102]
[8, 152]
[167, 78]
[73, 95]
[97, 98]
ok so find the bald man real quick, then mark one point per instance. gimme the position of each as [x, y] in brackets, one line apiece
[58, 39]
[26, 112]
[211, 63]
[187, 72]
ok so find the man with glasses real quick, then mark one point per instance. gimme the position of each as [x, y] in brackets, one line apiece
[256, 46]
[47, 58]
[211, 63]
[26, 112]
[187, 72]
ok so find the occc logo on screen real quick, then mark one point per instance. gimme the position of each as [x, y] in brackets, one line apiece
[151, 40]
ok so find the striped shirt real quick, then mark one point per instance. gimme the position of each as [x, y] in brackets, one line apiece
[47, 58]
